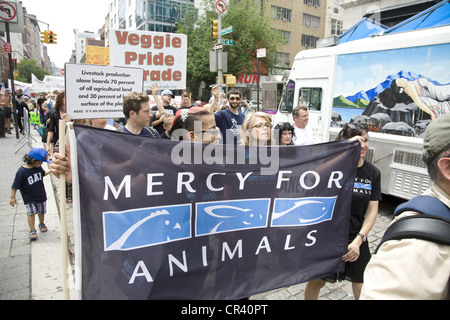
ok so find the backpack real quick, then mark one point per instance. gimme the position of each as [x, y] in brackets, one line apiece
[431, 224]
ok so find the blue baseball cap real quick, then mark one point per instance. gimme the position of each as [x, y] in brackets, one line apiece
[168, 92]
[39, 154]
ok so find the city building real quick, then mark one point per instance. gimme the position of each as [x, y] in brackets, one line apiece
[80, 42]
[147, 15]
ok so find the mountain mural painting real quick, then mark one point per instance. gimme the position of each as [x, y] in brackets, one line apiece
[400, 102]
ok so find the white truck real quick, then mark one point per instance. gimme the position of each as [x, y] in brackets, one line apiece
[364, 80]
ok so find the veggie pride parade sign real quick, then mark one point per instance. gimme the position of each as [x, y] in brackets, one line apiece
[164, 219]
[161, 55]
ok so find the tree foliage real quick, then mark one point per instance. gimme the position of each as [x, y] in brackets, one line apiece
[251, 31]
[26, 67]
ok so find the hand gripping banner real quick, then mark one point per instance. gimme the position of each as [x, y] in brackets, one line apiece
[163, 219]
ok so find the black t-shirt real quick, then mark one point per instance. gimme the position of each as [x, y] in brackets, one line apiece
[367, 187]
[31, 184]
[169, 110]
[53, 124]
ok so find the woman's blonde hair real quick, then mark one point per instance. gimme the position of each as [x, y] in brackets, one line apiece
[247, 126]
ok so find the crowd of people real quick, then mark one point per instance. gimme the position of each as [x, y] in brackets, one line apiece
[219, 122]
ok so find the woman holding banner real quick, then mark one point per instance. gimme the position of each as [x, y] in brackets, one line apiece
[364, 210]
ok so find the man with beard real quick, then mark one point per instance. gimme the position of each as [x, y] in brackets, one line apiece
[229, 121]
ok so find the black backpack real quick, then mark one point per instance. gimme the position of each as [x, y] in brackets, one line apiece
[432, 224]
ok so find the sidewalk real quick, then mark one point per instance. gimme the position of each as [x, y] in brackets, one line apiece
[33, 270]
[28, 270]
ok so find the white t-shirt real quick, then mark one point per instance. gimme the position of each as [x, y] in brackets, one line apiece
[303, 136]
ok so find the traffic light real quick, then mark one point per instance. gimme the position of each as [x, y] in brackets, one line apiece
[215, 28]
[44, 36]
[230, 80]
[51, 37]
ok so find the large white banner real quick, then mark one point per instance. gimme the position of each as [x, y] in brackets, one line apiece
[161, 55]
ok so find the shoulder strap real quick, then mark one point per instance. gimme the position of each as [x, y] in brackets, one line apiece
[152, 131]
[425, 205]
[432, 224]
[424, 227]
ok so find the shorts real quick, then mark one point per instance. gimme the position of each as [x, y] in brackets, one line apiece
[354, 271]
[36, 207]
[7, 112]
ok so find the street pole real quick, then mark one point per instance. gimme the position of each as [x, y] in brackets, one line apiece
[257, 83]
[11, 75]
[219, 54]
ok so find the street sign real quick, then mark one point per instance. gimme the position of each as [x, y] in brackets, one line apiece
[8, 12]
[221, 6]
[227, 30]
[218, 46]
[7, 47]
[227, 42]
[261, 53]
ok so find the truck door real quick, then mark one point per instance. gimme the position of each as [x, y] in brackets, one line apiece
[312, 93]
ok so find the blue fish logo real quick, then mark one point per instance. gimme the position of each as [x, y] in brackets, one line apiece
[302, 211]
[365, 186]
[226, 216]
[132, 229]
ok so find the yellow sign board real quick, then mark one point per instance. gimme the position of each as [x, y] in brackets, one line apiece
[97, 55]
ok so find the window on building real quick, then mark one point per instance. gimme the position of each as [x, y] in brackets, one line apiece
[336, 6]
[140, 10]
[311, 21]
[336, 27]
[284, 59]
[309, 41]
[280, 13]
[286, 35]
[313, 3]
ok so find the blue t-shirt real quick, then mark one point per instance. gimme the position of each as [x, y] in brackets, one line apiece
[145, 132]
[31, 184]
[229, 123]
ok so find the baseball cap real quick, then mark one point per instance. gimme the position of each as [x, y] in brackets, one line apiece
[168, 92]
[436, 138]
[39, 154]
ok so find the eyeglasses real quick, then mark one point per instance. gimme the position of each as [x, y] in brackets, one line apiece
[260, 125]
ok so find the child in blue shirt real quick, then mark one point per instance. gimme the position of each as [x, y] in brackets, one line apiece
[29, 180]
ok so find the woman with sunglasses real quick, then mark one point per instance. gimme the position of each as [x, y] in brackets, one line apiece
[364, 210]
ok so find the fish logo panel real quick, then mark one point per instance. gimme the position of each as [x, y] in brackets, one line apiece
[132, 229]
[364, 186]
[226, 216]
[302, 211]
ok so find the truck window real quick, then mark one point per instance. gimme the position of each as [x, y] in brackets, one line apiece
[312, 97]
[287, 102]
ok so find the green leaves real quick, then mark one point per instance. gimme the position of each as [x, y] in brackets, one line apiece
[251, 30]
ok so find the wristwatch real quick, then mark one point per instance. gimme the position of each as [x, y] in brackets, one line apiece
[363, 237]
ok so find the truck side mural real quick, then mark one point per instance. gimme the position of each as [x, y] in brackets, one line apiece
[395, 91]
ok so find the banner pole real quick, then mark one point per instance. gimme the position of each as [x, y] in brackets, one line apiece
[62, 209]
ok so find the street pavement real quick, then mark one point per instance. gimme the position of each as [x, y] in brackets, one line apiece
[32, 270]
